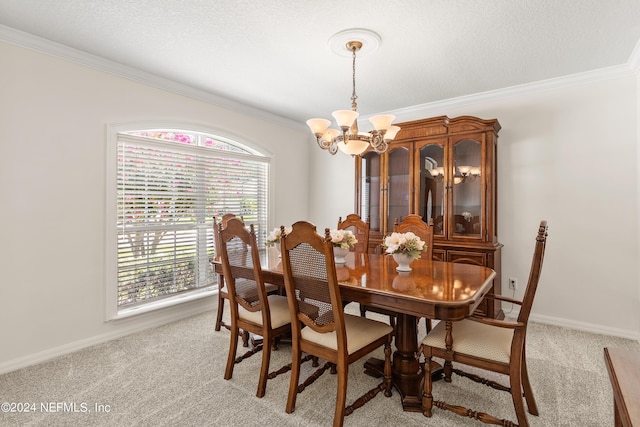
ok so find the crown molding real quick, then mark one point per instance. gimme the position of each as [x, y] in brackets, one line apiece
[634, 58]
[67, 53]
[435, 108]
[415, 112]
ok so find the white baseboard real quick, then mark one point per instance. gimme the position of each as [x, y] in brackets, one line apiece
[587, 327]
[189, 310]
[140, 324]
[572, 324]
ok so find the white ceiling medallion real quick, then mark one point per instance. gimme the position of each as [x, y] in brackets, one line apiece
[370, 41]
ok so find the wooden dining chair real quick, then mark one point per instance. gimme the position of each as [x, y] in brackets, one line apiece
[328, 333]
[252, 310]
[424, 231]
[488, 344]
[222, 291]
[415, 224]
[359, 228]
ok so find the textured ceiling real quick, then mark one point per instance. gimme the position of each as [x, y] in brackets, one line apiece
[274, 54]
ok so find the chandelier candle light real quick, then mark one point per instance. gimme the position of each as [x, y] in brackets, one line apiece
[349, 140]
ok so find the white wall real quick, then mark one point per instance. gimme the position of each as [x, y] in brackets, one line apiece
[637, 115]
[53, 118]
[568, 155]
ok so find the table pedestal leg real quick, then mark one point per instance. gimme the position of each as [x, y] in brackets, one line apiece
[406, 370]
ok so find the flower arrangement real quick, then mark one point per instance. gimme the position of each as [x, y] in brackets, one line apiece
[344, 239]
[273, 238]
[404, 243]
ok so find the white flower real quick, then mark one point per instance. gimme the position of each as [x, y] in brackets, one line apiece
[337, 235]
[414, 241]
[344, 239]
[393, 242]
[407, 243]
[274, 236]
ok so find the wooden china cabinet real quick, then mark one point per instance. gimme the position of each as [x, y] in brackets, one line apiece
[444, 170]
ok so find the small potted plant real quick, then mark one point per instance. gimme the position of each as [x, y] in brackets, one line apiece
[405, 247]
[343, 241]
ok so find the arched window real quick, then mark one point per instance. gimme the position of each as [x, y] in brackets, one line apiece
[169, 185]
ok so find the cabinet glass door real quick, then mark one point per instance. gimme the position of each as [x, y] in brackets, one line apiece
[370, 202]
[467, 188]
[431, 187]
[398, 186]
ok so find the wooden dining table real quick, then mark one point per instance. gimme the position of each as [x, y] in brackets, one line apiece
[433, 289]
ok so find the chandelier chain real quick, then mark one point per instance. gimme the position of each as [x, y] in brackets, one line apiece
[354, 105]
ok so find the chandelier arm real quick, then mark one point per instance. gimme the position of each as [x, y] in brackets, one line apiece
[376, 139]
[381, 148]
[324, 144]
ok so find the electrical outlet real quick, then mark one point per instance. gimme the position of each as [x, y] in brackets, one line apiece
[513, 283]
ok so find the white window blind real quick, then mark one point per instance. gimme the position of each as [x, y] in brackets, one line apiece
[170, 185]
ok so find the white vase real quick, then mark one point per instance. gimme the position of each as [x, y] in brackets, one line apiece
[339, 254]
[404, 261]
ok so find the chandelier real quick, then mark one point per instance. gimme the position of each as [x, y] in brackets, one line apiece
[348, 139]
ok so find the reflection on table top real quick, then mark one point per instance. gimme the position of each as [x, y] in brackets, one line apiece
[373, 279]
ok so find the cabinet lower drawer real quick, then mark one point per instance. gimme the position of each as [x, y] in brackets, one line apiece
[439, 255]
[477, 258]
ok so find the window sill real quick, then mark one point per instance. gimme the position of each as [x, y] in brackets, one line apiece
[166, 302]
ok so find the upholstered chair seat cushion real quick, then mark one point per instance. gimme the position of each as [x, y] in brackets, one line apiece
[475, 339]
[278, 307]
[360, 332]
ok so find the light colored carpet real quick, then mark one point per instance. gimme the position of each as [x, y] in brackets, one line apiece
[173, 376]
